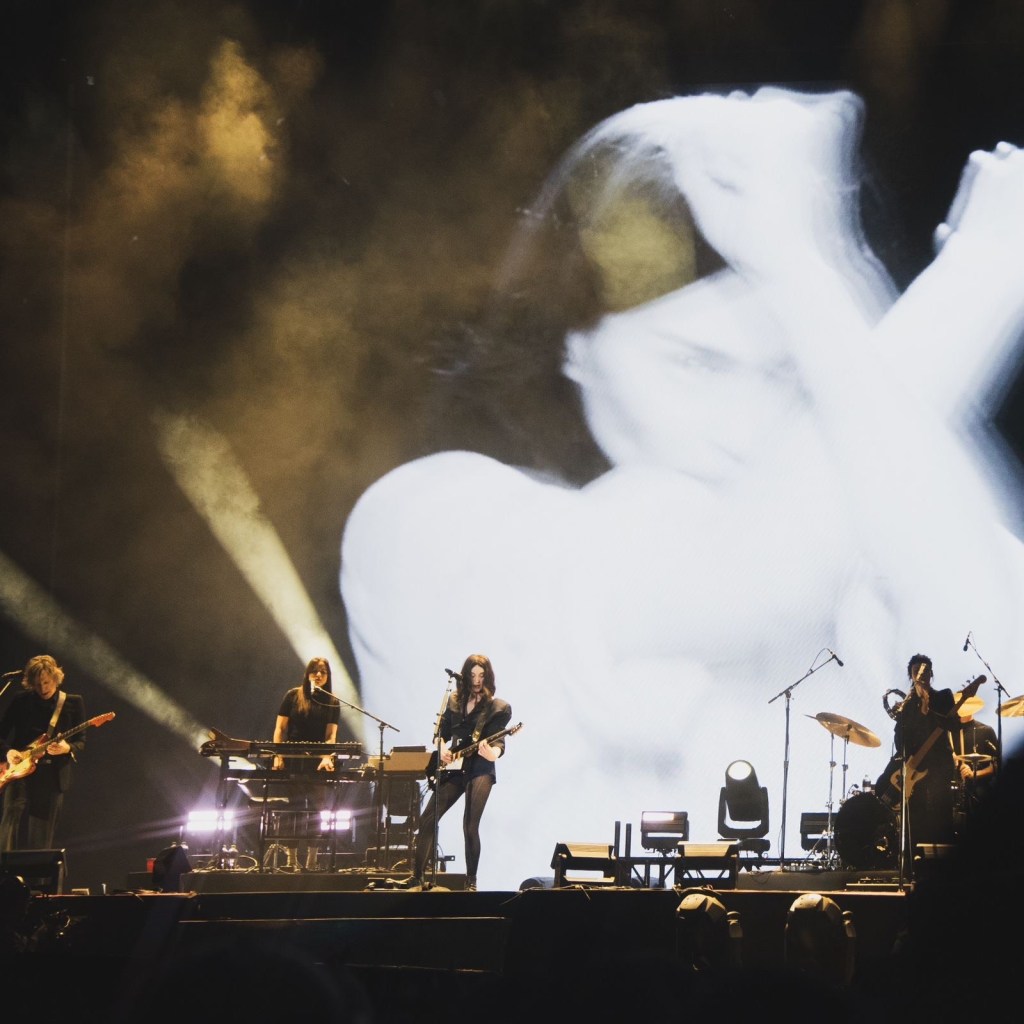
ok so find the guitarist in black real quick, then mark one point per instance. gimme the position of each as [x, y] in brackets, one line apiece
[31, 804]
[471, 715]
[922, 723]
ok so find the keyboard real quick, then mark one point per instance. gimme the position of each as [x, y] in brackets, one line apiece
[221, 745]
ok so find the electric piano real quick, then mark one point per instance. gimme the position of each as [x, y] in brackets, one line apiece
[348, 754]
[249, 765]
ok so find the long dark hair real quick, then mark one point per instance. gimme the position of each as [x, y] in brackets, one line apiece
[609, 231]
[305, 690]
[462, 691]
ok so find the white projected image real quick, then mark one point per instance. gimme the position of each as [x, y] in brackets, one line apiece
[794, 460]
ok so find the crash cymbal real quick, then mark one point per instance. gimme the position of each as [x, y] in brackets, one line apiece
[1013, 708]
[847, 729]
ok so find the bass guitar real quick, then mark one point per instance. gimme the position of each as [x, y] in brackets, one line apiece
[893, 787]
[434, 768]
[30, 757]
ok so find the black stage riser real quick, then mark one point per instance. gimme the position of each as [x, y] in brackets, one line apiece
[508, 932]
[311, 881]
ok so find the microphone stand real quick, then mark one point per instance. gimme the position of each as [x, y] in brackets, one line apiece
[1000, 690]
[788, 692]
[379, 799]
[904, 798]
[437, 741]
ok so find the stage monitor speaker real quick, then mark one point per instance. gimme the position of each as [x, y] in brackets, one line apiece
[933, 861]
[168, 866]
[43, 871]
[709, 862]
[593, 864]
[537, 882]
[813, 828]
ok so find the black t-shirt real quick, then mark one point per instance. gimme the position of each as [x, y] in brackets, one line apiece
[310, 727]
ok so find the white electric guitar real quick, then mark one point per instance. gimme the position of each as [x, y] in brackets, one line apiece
[455, 765]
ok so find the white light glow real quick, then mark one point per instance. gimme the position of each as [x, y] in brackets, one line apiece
[41, 617]
[206, 470]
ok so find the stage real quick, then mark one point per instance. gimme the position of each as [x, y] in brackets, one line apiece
[137, 952]
[694, 936]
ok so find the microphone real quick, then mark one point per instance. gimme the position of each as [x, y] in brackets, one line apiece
[839, 661]
[967, 642]
[453, 675]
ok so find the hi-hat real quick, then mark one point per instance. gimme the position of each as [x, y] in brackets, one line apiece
[1013, 708]
[847, 729]
[975, 760]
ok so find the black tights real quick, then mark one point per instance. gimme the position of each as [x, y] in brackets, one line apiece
[476, 790]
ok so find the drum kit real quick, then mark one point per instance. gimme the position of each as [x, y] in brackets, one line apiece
[864, 834]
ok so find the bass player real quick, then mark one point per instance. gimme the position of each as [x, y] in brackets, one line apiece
[923, 763]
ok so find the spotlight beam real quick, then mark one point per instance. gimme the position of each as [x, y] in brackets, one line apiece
[204, 467]
[39, 616]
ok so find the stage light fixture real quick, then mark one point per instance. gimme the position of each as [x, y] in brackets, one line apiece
[743, 808]
[820, 939]
[335, 821]
[708, 936]
[204, 821]
[663, 830]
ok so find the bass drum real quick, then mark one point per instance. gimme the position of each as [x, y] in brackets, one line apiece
[866, 834]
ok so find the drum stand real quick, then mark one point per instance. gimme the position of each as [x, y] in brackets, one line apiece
[829, 857]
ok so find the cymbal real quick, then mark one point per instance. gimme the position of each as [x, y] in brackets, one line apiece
[847, 729]
[978, 760]
[1013, 708]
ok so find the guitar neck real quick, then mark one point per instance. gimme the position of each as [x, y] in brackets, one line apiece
[45, 741]
[472, 747]
[969, 691]
[468, 751]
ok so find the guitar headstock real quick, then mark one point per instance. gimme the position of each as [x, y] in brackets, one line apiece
[972, 687]
[103, 719]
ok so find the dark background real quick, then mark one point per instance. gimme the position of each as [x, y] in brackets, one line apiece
[297, 295]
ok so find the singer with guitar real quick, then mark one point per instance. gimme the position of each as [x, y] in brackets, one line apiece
[32, 801]
[470, 716]
[923, 721]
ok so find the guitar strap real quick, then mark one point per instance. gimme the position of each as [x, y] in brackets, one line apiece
[56, 714]
[485, 714]
[952, 742]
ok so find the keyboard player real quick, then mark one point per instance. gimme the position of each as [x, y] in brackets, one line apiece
[309, 713]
